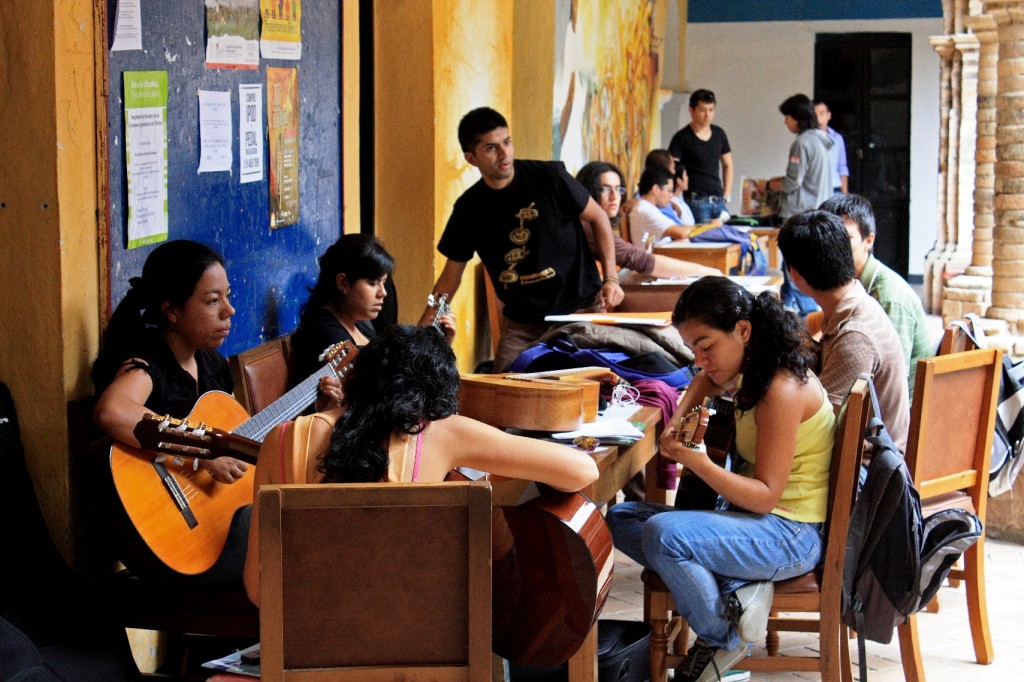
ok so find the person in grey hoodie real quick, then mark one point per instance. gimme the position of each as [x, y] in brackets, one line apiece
[808, 179]
[806, 184]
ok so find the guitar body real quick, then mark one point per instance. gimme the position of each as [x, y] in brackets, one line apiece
[563, 563]
[557, 403]
[158, 519]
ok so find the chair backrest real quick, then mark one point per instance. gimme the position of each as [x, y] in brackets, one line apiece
[359, 583]
[847, 452]
[955, 339]
[952, 422]
[261, 374]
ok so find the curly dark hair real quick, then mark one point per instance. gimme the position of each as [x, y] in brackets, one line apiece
[778, 339]
[401, 380]
[170, 275]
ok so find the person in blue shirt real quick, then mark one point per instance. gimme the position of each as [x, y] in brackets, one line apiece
[840, 169]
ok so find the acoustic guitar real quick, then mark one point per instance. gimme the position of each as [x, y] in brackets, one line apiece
[550, 587]
[712, 424]
[559, 400]
[178, 509]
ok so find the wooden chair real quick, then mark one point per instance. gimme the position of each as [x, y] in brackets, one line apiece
[357, 582]
[948, 453]
[818, 593]
[262, 373]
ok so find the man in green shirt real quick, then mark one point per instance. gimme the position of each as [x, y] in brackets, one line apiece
[900, 302]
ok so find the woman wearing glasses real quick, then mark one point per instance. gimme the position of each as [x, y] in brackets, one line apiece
[606, 184]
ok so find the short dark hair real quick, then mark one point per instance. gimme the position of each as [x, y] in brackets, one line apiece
[655, 175]
[659, 158]
[799, 107]
[816, 244]
[478, 123]
[816, 102]
[856, 208]
[701, 95]
[358, 256]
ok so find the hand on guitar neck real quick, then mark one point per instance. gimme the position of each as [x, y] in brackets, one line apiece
[441, 317]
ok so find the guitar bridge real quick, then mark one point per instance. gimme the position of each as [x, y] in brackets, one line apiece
[176, 493]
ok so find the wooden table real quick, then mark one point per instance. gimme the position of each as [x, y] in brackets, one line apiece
[617, 465]
[771, 237]
[653, 298]
[721, 255]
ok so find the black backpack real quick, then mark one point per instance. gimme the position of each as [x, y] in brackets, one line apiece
[895, 559]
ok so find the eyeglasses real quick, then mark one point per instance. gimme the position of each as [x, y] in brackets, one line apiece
[608, 190]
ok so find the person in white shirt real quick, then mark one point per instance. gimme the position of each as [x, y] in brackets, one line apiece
[646, 217]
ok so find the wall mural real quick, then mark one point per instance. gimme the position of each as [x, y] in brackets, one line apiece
[606, 70]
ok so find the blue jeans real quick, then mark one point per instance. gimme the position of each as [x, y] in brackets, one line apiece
[705, 209]
[793, 298]
[704, 555]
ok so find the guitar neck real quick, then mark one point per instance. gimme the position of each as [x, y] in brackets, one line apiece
[284, 408]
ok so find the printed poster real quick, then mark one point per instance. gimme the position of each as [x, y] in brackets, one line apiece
[214, 131]
[282, 29]
[232, 34]
[145, 155]
[250, 132]
[283, 133]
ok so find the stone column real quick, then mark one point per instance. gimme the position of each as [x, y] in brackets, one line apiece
[984, 28]
[971, 292]
[966, 45]
[934, 260]
[1008, 201]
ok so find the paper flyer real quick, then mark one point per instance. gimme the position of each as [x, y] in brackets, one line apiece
[145, 151]
[250, 132]
[214, 131]
[283, 134]
[282, 29]
[128, 26]
[232, 34]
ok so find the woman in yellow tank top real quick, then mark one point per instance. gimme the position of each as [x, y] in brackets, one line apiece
[719, 564]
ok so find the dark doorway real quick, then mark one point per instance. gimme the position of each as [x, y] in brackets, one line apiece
[865, 80]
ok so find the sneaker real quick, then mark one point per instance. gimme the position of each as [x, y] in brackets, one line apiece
[705, 663]
[755, 603]
[736, 676]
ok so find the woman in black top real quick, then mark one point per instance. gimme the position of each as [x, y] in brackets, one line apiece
[159, 356]
[348, 295]
[160, 352]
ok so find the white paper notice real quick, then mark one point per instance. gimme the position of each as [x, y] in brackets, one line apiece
[128, 26]
[214, 131]
[250, 132]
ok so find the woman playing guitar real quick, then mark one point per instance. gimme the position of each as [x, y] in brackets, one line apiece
[160, 355]
[348, 295]
[399, 423]
[719, 563]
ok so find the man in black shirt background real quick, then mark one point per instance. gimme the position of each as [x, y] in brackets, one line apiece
[702, 149]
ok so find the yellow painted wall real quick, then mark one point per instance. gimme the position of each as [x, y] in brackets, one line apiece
[435, 60]
[350, 147]
[48, 257]
[533, 77]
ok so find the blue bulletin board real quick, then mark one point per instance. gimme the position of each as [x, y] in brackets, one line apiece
[269, 270]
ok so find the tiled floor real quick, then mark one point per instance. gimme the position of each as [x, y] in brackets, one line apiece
[945, 636]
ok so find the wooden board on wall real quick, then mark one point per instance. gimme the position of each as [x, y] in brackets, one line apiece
[269, 270]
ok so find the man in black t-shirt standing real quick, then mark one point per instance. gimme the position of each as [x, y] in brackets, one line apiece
[702, 148]
[523, 218]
